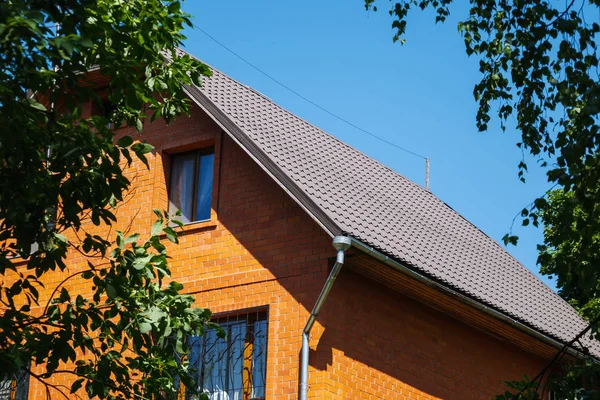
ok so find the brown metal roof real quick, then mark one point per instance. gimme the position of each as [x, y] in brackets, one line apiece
[351, 193]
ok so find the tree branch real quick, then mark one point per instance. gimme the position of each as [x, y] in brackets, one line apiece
[46, 384]
[561, 14]
[127, 392]
[62, 283]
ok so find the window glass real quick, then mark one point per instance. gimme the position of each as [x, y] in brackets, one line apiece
[232, 368]
[16, 388]
[259, 359]
[181, 191]
[6, 389]
[205, 184]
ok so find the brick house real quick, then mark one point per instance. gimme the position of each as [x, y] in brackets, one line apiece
[421, 305]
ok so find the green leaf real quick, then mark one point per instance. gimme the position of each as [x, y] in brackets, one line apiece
[125, 141]
[155, 242]
[66, 44]
[178, 223]
[174, 7]
[120, 240]
[141, 262]
[158, 214]
[145, 327]
[77, 385]
[171, 234]
[132, 238]
[87, 275]
[142, 148]
[155, 315]
[61, 238]
[111, 292]
[157, 228]
[127, 156]
[85, 42]
[38, 106]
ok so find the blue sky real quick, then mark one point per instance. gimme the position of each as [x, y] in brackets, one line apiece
[418, 96]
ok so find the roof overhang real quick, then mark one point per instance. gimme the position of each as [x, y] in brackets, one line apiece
[332, 229]
[457, 296]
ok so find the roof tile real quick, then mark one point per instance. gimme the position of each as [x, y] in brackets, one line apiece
[386, 210]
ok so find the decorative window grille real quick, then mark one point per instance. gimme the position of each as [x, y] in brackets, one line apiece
[232, 368]
[16, 388]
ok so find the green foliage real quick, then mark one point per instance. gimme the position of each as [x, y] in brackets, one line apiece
[133, 329]
[539, 68]
[520, 390]
[60, 171]
[579, 381]
[568, 254]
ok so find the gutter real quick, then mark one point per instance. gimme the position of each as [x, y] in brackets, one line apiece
[331, 228]
[341, 244]
[462, 298]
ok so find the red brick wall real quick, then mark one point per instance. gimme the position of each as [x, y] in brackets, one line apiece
[385, 345]
[261, 250]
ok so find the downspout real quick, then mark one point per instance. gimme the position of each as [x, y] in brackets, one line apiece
[341, 244]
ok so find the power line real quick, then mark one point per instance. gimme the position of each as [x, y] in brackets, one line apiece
[308, 100]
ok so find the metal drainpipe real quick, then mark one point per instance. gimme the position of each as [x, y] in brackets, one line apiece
[341, 244]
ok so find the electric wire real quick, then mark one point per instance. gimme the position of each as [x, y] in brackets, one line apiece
[307, 99]
[561, 351]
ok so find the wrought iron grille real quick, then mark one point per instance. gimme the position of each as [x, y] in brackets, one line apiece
[232, 368]
[16, 388]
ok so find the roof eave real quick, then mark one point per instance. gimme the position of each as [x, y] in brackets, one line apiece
[332, 229]
[486, 309]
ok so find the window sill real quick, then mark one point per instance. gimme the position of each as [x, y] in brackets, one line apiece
[193, 227]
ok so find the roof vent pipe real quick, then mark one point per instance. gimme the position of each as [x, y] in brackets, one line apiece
[341, 244]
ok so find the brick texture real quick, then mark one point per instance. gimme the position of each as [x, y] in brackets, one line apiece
[261, 250]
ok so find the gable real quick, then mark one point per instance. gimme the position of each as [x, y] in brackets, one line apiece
[347, 192]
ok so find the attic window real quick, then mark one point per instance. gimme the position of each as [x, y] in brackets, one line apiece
[190, 185]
